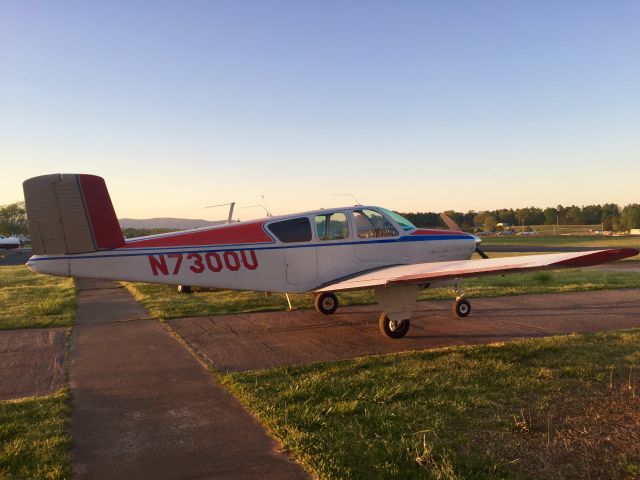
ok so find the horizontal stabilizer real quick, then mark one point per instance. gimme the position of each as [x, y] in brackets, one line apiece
[70, 213]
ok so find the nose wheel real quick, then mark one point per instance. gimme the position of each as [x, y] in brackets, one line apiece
[393, 328]
[326, 303]
[462, 307]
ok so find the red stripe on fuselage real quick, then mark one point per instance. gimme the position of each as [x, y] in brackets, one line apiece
[228, 235]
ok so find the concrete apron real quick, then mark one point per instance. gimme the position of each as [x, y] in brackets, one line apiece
[144, 407]
[31, 362]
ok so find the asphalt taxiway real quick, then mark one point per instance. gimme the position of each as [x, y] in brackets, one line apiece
[271, 339]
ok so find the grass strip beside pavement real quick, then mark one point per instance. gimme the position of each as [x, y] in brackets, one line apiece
[550, 408]
[33, 300]
[34, 439]
[163, 301]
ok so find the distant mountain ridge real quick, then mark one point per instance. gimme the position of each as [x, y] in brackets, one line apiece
[167, 222]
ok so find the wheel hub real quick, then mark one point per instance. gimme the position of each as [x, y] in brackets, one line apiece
[395, 325]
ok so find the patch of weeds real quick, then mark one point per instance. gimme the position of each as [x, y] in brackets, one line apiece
[542, 277]
[630, 466]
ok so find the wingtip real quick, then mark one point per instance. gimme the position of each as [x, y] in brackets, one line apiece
[598, 257]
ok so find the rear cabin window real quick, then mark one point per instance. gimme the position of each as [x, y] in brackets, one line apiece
[372, 224]
[294, 230]
[332, 226]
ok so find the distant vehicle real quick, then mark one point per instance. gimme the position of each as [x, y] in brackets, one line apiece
[526, 234]
[75, 233]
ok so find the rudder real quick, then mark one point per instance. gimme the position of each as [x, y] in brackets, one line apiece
[70, 213]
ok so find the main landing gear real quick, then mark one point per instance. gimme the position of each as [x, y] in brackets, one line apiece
[461, 307]
[398, 303]
[326, 303]
[393, 328]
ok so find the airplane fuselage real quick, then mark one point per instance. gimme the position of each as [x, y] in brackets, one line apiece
[294, 253]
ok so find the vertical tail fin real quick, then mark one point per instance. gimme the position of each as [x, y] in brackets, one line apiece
[70, 213]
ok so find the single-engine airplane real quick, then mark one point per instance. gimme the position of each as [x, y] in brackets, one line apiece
[75, 233]
[9, 243]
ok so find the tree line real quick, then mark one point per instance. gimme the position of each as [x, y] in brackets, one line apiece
[610, 216]
[13, 218]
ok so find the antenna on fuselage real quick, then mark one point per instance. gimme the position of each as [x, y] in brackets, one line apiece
[261, 206]
[348, 195]
[231, 207]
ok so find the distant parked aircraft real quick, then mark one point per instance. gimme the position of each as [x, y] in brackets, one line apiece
[75, 233]
[9, 243]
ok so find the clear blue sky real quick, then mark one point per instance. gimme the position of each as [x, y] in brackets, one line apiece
[412, 105]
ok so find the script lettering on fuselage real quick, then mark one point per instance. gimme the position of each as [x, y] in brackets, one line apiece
[174, 263]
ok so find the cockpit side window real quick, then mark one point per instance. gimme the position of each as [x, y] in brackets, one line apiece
[291, 231]
[332, 226]
[372, 224]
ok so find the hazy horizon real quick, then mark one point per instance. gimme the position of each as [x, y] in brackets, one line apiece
[415, 106]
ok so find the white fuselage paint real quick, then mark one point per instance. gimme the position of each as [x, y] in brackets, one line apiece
[262, 267]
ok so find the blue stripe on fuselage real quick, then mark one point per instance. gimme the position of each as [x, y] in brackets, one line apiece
[249, 246]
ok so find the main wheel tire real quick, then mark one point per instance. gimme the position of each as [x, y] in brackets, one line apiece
[184, 289]
[393, 329]
[462, 307]
[326, 303]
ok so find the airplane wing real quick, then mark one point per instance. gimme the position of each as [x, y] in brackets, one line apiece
[424, 273]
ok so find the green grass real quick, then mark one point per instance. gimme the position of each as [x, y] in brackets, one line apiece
[564, 241]
[30, 300]
[34, 443]
[164, 302]
[551, 408]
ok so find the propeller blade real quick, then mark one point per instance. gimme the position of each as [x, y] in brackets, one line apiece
[449, 222]
[454, 226]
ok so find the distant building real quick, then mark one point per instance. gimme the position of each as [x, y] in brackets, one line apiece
[634, 231]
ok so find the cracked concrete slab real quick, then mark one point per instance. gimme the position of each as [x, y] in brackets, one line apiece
[31, 362]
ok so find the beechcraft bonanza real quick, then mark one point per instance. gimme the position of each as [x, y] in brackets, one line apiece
[75, 233]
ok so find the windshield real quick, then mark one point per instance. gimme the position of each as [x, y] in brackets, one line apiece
[399, 219]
